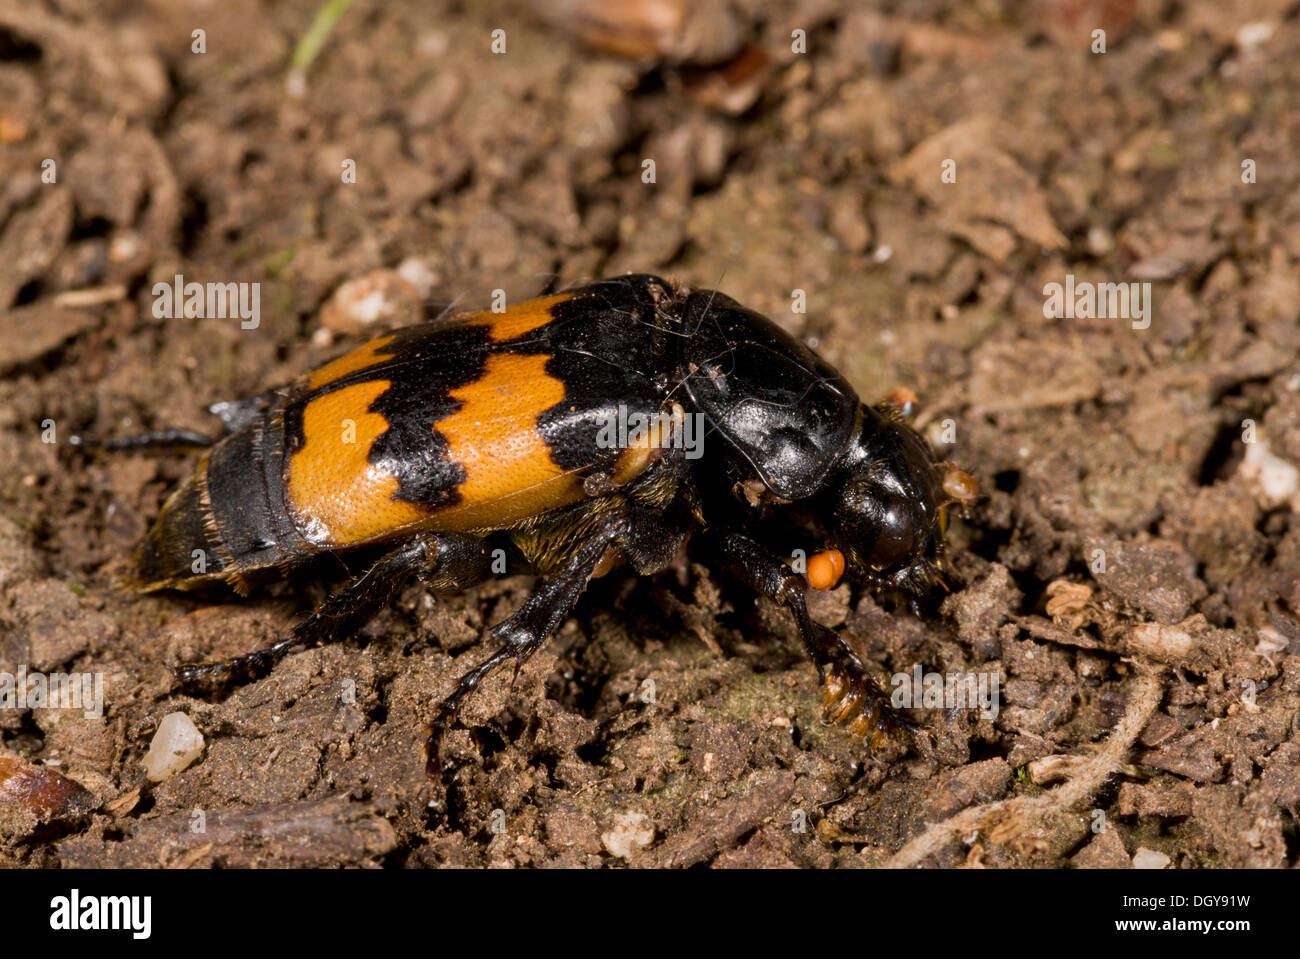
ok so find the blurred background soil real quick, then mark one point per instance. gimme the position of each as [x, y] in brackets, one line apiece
[675, 721]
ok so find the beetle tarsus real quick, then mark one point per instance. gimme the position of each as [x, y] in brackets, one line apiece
[449, 707]
[852, 699]
[239, 669]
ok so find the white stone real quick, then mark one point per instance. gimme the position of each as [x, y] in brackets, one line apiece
[176, 745]
[1146, 858]
[632, 831]
[1255, 34]
[417, 273]
[1274, 481]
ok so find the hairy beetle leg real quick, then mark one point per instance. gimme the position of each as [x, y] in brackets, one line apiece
[649, 540]
[447, 561]
[234, 415]
[852, 697]
[173, 438]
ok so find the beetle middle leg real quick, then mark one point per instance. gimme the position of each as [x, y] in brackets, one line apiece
[852, 697]
[446, 561]
[646, 538]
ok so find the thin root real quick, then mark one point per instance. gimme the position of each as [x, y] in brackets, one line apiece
[1144, 699]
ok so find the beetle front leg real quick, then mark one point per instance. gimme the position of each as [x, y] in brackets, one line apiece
[852, 698]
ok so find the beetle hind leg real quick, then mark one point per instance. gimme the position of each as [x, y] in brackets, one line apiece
[234, 415]
[173, 438]
[524, 633]
[446, 560]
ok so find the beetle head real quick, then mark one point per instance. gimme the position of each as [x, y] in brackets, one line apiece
[886, 510]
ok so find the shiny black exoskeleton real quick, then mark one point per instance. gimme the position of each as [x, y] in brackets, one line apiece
[521, 430]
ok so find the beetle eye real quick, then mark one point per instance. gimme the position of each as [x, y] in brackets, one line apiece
[894, 543]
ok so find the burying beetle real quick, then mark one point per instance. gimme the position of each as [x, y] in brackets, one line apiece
[440, 442]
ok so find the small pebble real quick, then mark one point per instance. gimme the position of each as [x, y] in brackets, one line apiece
[632, 831]
[1146, 858]
[416, 272]
[176, 745]
[364, 301]
[1274, 481]
[1255, 34]
[1100, 241]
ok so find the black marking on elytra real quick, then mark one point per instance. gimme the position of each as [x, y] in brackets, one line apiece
[858, 479]
[434, 365]
[606, 347]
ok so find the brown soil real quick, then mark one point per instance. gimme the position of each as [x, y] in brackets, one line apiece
[775, 171]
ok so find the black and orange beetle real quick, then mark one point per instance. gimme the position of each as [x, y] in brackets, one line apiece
[438, 443]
